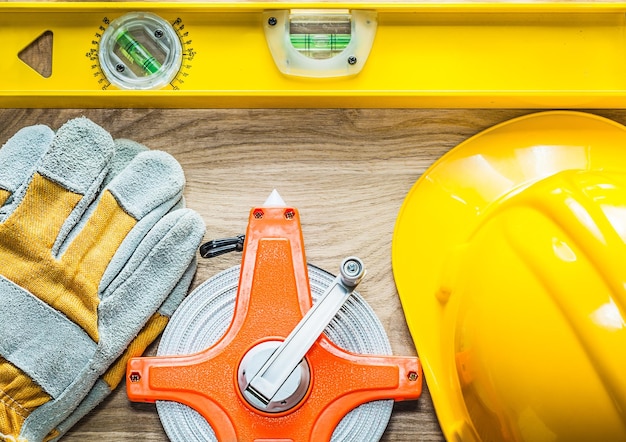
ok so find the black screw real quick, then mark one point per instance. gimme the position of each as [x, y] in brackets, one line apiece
[272, 21]
[352, 59]
[120, 67]
[158, 33]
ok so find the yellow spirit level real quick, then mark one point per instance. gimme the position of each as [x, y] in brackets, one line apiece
[316, 55]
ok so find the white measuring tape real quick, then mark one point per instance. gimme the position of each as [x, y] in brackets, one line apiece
[203, 318]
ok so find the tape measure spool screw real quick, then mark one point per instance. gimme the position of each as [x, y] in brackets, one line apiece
[290, 393]
[140, 51]
[352, 271]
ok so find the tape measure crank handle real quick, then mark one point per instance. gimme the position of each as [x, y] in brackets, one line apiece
[283, 361]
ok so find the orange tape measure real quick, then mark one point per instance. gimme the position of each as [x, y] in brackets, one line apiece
[273, 374]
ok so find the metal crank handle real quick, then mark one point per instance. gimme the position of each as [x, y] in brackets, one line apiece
[273, 374]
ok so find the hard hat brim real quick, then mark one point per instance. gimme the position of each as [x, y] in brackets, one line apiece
[451, 199]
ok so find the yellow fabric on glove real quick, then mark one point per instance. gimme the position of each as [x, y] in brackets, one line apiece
[4, 195]
[19, 396]
[69, 284]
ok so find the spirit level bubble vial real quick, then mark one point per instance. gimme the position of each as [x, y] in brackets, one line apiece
[140, 50]
[320, 43]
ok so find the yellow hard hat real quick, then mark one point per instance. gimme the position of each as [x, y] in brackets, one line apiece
[509, 255]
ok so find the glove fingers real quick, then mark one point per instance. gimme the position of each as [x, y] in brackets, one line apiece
[64, 184]
[153, 178]
[125, 151]
[152, 328]
[132, 241]
[132, 203]
[150, 276]
[78, 156]
[18, 159]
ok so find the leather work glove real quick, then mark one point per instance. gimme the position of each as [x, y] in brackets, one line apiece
[125, 151]
[95, 254]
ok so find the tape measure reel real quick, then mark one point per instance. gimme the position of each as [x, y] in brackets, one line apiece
[245, 357]
[203, 318]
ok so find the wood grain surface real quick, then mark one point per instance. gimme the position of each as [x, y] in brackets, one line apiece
[346, 170]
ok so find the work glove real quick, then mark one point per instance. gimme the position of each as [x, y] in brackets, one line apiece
[125, 151]
[95, 254]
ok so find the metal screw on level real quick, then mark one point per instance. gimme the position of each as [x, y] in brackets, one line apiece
[135, 377]
[120, 67]
[158, 33]
[412, 376]
[272, 21]
[352, 59]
